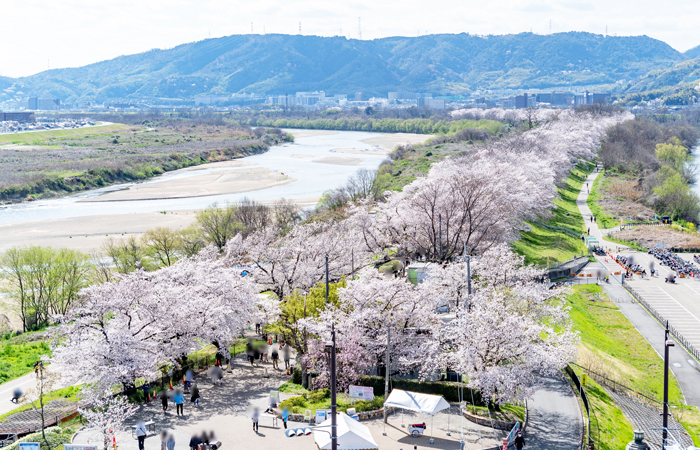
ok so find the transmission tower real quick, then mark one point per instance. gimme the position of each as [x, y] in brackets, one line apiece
[300, 27]
[606, 30]
[359, 28]
[550, 26]
[251, 27]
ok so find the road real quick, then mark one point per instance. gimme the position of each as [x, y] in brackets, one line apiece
[7, 389]
[554, 421]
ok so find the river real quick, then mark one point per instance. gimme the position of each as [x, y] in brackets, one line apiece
[295, 160]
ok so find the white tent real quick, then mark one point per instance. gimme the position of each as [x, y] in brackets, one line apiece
[352, 435]
[414, 401]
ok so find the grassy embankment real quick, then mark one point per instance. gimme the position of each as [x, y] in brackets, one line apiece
[543, 246]
[605, 221]
[18, 355]
[612, 346]
[58, 134]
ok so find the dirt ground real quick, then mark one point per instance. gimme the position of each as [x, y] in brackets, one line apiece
[649, 236]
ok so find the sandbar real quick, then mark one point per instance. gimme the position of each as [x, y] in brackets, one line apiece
[298, 133]
[363, 151]
[199, 185]
[339, 161]
[302, 156]
[391, 140]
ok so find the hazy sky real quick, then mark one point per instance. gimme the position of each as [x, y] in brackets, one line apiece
[68, 33]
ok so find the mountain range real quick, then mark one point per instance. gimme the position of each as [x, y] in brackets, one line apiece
[448, 64]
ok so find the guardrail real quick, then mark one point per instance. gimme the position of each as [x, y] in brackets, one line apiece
[584, 399]
[658, 316]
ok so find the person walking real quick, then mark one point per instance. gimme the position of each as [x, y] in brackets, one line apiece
[141, 434]
[275, 354]
[250, 352]
[589, 231]
[194, 442]
[287, 355]
[179, 400]
[164, 400]
[285, 417]
[163, 440]
[519, 441]
[195, 395]
[255, 417]
[170, 445]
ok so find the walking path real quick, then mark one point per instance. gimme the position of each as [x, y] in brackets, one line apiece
[225, 410]
[554, 421]
[683, 366]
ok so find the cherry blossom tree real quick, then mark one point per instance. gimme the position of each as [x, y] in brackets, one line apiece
[351, 360]
[511, 329]
[282, 263]
[131, 327]
[106, 415]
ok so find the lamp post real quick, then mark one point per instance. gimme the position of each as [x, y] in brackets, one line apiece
[667, 344]
[334, 406]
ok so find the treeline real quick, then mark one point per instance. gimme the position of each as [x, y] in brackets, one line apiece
[41, 282]
[658, 153]
[420, 126]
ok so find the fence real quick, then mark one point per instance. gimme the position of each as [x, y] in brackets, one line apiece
[616, 386]
[584, 399]
[675, 333]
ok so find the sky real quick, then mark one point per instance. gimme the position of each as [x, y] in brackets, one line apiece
[41, 34]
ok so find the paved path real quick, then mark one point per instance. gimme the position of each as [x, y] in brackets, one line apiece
[24, 383]
[225, 410]
[555, 421]
[679, 303]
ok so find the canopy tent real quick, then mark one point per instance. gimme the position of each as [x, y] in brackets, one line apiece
[414, 401]
[352, 435]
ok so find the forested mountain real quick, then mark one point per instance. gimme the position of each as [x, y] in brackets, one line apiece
[278, 64]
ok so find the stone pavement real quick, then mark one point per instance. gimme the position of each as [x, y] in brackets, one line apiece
[225, 410]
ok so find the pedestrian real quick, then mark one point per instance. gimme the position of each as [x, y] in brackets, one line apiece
[179, 400]
[250, 352]
[163, 440]
[195, 395]
[164, 400]
[519, 441]
[170, 445]
[257, 328]
[287, 355]
[16, 396]
[194, 442]
[255, 417]
[285, 417]
[141, 434]
[146, 387]
[275, 356]
[589, 231]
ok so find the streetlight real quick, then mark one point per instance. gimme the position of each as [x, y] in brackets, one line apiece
[667, 344]
[334, 406]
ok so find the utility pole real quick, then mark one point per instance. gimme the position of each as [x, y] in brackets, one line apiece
[326, 278]
[334, 406]
[667, 343]
[388, 361]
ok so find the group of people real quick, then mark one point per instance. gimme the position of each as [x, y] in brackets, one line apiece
[178, 397]
[269, 351]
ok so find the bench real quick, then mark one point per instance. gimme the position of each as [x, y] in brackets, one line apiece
[148, 424]
[273, 416]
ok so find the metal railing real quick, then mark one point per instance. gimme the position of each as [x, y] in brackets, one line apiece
[658, 316]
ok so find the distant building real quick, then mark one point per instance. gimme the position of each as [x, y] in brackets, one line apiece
[521, 101]
[431, 103]
[43, 104]
[21, 116]
[210, 99]
[588, 98]
[358, 97]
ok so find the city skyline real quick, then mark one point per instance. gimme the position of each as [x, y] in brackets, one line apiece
[80, 32]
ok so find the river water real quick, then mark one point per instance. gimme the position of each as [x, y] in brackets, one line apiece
[312, 180]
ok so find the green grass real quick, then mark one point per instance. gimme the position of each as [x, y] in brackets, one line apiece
[634, 245]
[510, 413]
[605, 221]
[293, 388]
[17, 357]
[542, 246]
[611, 344]
[321, 400]
[57, 134]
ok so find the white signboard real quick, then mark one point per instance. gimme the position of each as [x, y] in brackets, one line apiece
[79, 447]
[361, 393]
[28, 446]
